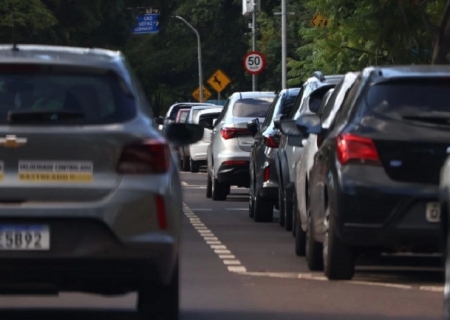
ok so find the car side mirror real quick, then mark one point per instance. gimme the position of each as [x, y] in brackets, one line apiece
[159, 120]
[253, 126]
[277, 121]
[309, 124]
[289, 128]
[183, 133]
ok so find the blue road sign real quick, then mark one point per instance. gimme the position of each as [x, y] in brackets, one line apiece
[147, 23]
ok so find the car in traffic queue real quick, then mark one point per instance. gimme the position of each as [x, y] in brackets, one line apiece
[228, 154]
[330, 105]
[90, 195]
[374, 183]
[288, 153]
[184, 151]
[263, 191]
[198, 150]
[172, 112]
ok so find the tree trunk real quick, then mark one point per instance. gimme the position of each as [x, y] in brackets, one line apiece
[442, 45]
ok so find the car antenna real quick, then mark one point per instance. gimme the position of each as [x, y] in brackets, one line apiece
[15, 48]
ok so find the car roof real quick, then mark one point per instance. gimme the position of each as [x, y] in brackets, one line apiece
[62, 55]
[205, 106]
[408, 71]
[211, 110]
[254, 94]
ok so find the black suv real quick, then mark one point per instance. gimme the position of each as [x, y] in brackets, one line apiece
[263, 192]
[374, 181]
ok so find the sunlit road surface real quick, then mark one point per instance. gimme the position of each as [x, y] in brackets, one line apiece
[234, 268]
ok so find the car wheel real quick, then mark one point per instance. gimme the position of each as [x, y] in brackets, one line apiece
[185, 164]
[158, 301]
[194, 165]
[281, 209]
[263, 210]
[208, 186]
[300, 235]
[219, 190]
[288, 212]
[313, 251]
[251, 201]
[338, 258]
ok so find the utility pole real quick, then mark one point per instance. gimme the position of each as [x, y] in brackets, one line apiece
[254, 76]
[283, 43]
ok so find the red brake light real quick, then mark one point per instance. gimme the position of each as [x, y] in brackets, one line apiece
[229, 133]
[352, 147]
[146, 157]
[266, 173]
[272, 142]
[161, 212]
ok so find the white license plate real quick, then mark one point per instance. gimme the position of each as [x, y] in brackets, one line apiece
[24, 237]
[433, 213]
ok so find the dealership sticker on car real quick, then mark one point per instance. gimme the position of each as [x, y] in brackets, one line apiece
[433, 213]
[56, 171]
[24, 237]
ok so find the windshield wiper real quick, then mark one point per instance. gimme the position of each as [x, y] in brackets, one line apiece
[39, 116]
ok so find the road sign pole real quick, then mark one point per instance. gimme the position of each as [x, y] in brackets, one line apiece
[254, 76]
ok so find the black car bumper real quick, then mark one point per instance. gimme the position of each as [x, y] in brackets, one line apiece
[375, 211]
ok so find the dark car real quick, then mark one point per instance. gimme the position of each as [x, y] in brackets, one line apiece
[307, 102]
[374, 181]
[263, 193]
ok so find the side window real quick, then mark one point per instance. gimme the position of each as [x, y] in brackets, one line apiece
[269, 116]
[224, 111]
[297, 102]
[347, 104]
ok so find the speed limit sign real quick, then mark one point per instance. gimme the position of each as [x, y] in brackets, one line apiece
[254, 62]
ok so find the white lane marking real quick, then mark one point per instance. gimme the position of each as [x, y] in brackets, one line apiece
[235, 266]
[236, 209]
[202, 209]
[184, 183]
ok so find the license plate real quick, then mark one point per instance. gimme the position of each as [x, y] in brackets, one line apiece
[24, 237]
[433, 213]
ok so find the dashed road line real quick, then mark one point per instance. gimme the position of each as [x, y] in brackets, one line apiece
[235, 266]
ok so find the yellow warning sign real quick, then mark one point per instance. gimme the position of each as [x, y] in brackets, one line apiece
[206, 94]
[319, 21]
[219, 81]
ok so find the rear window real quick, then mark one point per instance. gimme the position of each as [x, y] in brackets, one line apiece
[93, 98]
[409, 97]
[252, 107]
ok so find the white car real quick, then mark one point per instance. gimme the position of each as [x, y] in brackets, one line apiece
[197, 151]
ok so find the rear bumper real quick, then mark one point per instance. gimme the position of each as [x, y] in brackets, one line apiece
[374, 211]
[238, 175]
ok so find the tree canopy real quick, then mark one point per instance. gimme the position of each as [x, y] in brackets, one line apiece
[357, 34]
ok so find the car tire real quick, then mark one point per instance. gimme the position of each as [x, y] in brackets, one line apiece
[185, 164]
[281, 210]
[313, 253]
[300, 235]
[219, 190]
[209, 186]
[160, 302]
[338, 257]
[194, 166]
[263, 210]
[251, 201]
[288, 212]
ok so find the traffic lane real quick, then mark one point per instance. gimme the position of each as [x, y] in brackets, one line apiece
[271, 249]
[278, 256]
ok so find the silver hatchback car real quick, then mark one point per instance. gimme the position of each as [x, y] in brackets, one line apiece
[228, 155]
[90, 193]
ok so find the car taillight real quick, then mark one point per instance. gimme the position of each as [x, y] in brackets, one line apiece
[229, 133]
[272, 142]
[146, 157]
[352, 147]
[235, 163]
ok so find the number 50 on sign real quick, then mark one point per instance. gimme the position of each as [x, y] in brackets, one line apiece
[254, 62]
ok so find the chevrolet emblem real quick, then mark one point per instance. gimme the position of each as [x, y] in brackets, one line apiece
[11, 141]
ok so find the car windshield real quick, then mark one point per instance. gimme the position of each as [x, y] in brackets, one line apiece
[252, 107]
[409, 97]
[98, 99]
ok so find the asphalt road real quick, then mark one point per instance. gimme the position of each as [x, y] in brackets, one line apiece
[234, 268]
